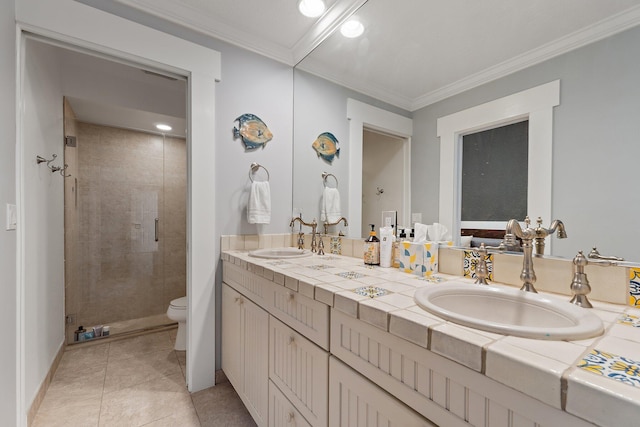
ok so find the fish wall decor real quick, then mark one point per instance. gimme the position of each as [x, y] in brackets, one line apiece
[327, 146]
[253, 131]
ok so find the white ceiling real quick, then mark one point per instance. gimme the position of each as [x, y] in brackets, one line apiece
[413, 52]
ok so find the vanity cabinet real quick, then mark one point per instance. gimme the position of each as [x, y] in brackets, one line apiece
[274, 349]
[295, 360]
[245, 330]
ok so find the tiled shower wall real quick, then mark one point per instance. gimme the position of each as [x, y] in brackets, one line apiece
[126, 179]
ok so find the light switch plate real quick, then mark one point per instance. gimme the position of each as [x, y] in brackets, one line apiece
[12, 217]
[416, 217]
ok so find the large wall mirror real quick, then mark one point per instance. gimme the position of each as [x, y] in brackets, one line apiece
[595, 126]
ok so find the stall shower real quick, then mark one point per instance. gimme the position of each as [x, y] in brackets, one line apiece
[125, 226]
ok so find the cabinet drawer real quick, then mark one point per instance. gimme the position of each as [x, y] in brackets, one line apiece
[281, 412]
[300, 369]
[254, 287]
[355, 401]
[307, 316]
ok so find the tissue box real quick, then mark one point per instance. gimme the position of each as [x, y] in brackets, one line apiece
[418, 258]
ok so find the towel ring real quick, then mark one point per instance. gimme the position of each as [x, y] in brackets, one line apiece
[254, 168]
[326, 175]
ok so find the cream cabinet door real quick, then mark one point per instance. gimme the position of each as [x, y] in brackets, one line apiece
[300, 369]
[245, 347]
[355, 401]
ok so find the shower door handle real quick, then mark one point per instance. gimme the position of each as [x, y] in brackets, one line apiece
[157, 221]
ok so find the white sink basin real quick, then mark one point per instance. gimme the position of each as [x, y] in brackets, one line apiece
[509, 311]
[278, 253]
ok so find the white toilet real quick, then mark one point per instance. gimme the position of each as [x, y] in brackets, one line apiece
[178, 311]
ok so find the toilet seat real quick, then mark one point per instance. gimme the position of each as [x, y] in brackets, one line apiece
[179, 303]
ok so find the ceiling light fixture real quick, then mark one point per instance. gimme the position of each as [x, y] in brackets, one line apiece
[311, 8]
[163, 127]
[352, 28]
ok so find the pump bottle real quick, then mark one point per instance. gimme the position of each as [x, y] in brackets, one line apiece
[372, 248]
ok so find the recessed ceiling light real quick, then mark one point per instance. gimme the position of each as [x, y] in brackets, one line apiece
[311, 8]
[163, 127]
[352, 28]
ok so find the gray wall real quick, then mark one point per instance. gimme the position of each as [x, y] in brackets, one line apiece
[321, 106]
[8, 327]
[595, 143]
[43, 228]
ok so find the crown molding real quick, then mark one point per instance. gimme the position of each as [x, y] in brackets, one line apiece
[190, 18]
[601, 30]
[378, 93]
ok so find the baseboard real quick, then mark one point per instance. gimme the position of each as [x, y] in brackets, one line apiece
[37, 401]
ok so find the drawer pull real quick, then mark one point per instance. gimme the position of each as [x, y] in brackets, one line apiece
[292, 340]
[290, 417]
[239, 300]
[290, 296]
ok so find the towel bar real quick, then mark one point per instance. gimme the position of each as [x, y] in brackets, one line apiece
[254, 168]
[326, 175]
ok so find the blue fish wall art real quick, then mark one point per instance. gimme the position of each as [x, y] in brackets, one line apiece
[253, 131]
[327, 146]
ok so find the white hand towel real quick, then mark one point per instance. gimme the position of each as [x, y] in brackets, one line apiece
[259, 208]
[330, 205]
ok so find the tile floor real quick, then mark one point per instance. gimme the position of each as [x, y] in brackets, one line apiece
[134, 382]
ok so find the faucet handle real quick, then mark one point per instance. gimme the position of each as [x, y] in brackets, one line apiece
[481, 267]
[596, 255]
[580, 284]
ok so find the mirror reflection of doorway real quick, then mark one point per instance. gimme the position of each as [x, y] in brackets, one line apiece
[382, 178]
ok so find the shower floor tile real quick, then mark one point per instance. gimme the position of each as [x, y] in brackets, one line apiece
[133, 382]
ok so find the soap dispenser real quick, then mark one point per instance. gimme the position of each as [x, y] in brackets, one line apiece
[372, 248]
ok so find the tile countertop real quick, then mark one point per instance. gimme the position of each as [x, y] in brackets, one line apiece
[597, 379]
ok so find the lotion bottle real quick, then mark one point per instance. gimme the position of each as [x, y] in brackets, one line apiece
[386, 246]
[372, 248]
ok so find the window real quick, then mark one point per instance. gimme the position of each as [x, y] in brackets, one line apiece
[536, 106]
[494, 176]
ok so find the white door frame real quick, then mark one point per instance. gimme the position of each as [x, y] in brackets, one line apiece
[361, 116]
[74, 24]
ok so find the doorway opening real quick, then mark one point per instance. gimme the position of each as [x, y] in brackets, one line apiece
[382, 177]
[125, 193]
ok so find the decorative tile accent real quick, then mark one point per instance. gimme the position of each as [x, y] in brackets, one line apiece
[431, 279]
[612, 366]
[335, 245]
[634, 287]
[629, 320]
[319, 267]
[351, 275]
[471, 259]
[370, 291]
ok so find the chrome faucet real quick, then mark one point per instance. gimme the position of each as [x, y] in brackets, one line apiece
[314, 225]
[327, 224]
[542, 233]
[528, 275]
